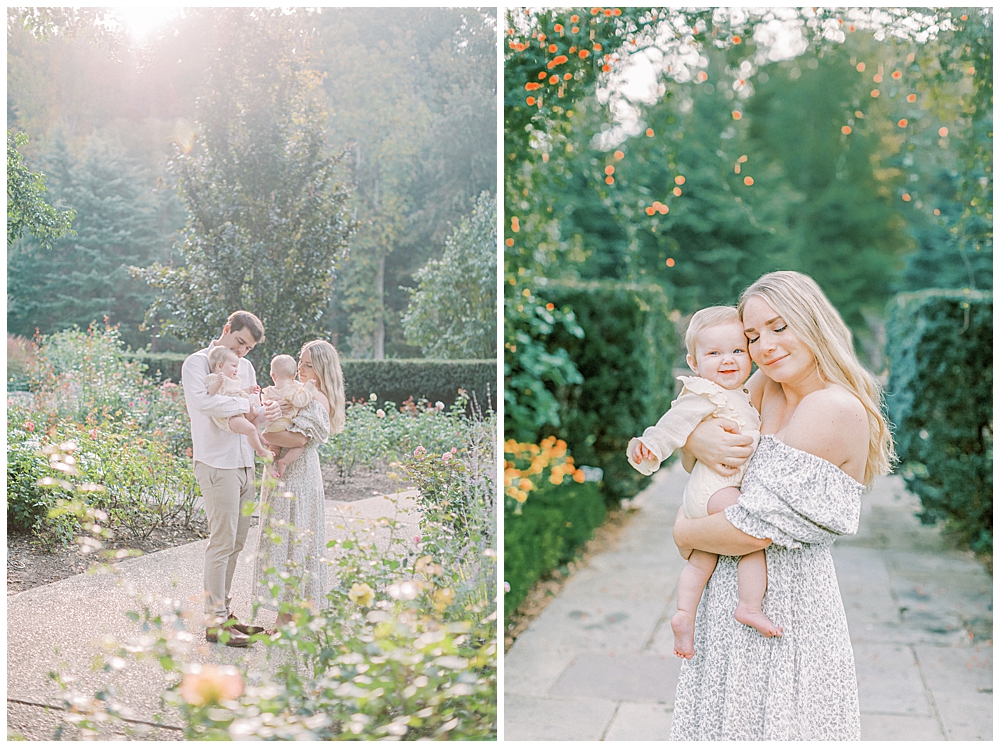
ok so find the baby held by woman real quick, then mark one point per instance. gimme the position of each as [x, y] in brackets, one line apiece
[298, 395]
[717, 353]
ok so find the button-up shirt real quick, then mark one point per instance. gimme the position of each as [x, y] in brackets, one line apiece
[212, 445]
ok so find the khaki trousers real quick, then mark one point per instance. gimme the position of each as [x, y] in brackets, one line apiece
[225, 493]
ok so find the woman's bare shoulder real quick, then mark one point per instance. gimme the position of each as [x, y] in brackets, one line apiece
[831, 423]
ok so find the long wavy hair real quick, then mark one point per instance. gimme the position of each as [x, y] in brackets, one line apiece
[804, 306]
[326, 365]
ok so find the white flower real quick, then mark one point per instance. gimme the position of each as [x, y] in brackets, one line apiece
[439, 405]
[380, 413]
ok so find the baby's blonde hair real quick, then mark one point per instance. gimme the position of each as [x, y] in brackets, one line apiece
[711, 316]
[220, 354]
[803, 305]
[284, 365]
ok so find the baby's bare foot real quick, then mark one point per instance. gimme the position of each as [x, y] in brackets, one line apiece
[756, 618]
[683, 628]
[280, 466]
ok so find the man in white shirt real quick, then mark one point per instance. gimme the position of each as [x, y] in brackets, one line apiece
[224, 468]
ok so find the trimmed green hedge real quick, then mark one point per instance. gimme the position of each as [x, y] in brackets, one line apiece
[399, 379]
[552, 524]
[626, 359]
[390, 379]
[940, 399]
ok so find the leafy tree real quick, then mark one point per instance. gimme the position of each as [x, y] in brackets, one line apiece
[84, 278]
[268, 222]
[452, 311]
[27, 210]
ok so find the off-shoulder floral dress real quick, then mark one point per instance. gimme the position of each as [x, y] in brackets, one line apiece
[292, 538]
[801, 686]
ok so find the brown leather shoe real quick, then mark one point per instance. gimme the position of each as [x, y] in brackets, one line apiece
[236, 638]
[234, 623]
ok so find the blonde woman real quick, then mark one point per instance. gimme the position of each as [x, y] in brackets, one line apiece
[823, 440]
[292, 513]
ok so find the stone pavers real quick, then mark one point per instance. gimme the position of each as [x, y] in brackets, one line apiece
[598, 663]
[65, 626]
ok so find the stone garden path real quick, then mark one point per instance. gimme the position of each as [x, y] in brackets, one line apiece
[64, 626]
[597, 664]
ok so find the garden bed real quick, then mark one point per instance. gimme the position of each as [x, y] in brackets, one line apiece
[30, 563]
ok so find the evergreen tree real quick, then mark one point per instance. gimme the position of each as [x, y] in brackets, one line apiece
[84, 278]
[267, 220]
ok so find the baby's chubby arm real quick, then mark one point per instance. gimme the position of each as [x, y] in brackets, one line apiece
[213, 383]
[647, 452]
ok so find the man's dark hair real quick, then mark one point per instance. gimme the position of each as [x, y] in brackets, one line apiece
[246, 321]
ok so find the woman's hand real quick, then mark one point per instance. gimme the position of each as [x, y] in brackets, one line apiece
[679, 531]
[275, 409]
[718, 444]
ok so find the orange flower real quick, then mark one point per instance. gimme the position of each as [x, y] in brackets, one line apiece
[530, 101]
[619, 155]
[530, 86]
[679, 179]
[902, 123]
[748, 181]
[598, 47]
[736, 39]
[896, 75]
[609, 180]
[606, 68]
[943, 132]
[558, 28]
[210, 684]
[670, 262]
[553, 48]
[875, 93]
[584, 54]
[650, 210]
[649, 132]
[846, 129]
[574, 19]
[737, 114]
[911, 98]
[609, 169]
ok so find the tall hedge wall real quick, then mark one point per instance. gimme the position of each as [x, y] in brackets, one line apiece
[390, 379]
[940, 400]
[626, 360]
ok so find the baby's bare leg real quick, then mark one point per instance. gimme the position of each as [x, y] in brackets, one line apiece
[290, 456]
[240, 425]
[722, 498]
[694, 576]
[752, 576]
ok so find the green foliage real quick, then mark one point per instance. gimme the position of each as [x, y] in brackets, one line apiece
[940, 398]
[268, 219]
[626, 360]
[28, 213]
[84, 278]
[398, 380]
[452, 311]
[546, 532]
[374, 435]
[406, 646]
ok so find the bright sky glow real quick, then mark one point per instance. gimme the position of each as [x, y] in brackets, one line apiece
[140, 21]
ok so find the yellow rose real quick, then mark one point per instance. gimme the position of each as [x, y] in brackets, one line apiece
[361, 594]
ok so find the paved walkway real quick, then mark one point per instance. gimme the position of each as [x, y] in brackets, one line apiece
[597, 664]
[67, 625]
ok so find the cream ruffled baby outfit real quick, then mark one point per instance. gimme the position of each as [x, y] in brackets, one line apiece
[699, 399]
[297, 394]
[230, 387]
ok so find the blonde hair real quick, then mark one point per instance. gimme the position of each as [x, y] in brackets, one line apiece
[804, 306]
[284, 364]
[703, 319]
[326, 365]
[220, 354]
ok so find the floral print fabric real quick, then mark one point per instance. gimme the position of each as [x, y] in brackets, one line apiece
[801, 686]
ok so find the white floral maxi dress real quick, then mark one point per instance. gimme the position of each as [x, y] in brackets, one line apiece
[801, 686]
[293, 513]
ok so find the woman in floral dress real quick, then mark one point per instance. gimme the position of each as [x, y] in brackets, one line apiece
[290, 561]
[823, 439]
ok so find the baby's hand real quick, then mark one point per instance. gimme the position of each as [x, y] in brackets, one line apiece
[641, 453]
